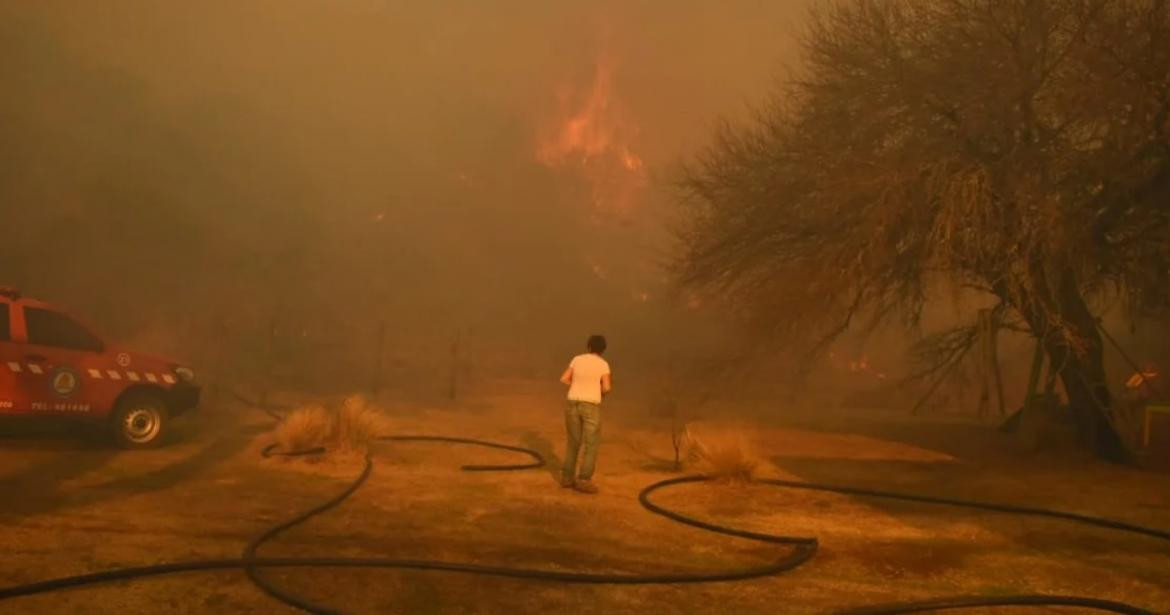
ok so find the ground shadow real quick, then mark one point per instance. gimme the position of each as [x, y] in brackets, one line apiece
[957, 481]
[541, 445]
[40, 434]
[660, 465]
[38, 488]
[39, 484]
[75, 450]
[967, 440]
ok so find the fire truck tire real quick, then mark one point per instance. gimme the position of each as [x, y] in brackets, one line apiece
[139, 420]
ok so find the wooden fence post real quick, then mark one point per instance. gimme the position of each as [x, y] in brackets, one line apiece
[376, 381]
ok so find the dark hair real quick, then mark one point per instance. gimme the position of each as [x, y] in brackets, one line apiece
[596, 344]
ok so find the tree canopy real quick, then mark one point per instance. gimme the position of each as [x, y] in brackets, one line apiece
[1020, 147]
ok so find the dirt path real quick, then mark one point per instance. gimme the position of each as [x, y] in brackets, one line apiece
[73, 506]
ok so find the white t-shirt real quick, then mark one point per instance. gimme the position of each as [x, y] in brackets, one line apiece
[587, 372]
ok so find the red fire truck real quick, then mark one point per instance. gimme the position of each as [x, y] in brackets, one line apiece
[53, 366]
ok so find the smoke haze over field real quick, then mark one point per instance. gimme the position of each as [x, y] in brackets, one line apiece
[181, 172]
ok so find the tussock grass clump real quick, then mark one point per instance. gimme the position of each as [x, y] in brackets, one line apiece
[724, 457]
[305, 428]
[348, 426]
[357, 424]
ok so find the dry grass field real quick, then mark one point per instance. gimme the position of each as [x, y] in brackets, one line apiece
[72, 505]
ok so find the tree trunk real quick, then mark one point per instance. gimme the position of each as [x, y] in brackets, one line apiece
[1083, 375]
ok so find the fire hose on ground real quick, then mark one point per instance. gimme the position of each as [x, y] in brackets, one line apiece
[801, 549]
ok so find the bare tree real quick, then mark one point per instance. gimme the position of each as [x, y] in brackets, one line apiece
[1020, 147]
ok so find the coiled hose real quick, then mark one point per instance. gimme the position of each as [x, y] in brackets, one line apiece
[802, 548]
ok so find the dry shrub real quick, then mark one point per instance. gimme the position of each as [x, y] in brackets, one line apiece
[357, 424]
[723, 456]
[305, 428]
[349, 426]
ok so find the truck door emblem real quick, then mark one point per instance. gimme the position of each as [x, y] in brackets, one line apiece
[123, 359]
[65, 382]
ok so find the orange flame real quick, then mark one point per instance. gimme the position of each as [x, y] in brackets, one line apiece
[594, 140]
[859, 365]
[1138, 379]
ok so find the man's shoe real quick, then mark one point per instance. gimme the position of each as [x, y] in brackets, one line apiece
[585, 486]
[567, 482]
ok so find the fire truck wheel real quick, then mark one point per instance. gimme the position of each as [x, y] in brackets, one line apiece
[139, 421]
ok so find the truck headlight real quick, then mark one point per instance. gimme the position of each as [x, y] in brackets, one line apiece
[186, 374]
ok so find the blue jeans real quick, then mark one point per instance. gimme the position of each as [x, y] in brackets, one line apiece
[583, 426]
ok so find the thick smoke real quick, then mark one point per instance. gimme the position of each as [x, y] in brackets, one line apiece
[189, 176]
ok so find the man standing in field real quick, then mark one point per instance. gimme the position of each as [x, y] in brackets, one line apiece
[589, 380]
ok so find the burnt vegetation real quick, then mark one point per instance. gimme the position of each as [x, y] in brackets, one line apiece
[1021, 148]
